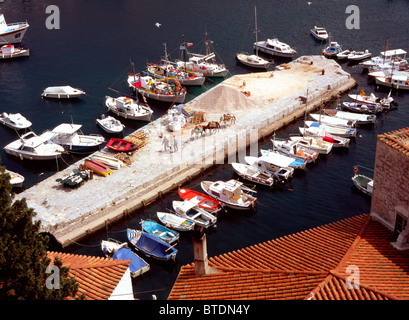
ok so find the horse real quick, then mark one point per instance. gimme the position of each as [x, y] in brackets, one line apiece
[197, 130]
[228, 117]
[211, 126]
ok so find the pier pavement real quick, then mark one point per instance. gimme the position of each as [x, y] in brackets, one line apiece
[262, 102]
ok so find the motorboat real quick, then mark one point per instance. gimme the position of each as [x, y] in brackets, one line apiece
[16, 179]
[120, 251]
[332, 50]
[314, 143]
[253, 174]
[193, 212]
[333, 130]
[159, 231]
[396, 81]
[295, 150]
[9, 51]
[110, 124]
[253, 60]
[73, 140]
[14, 121]
[151, 246]
[62, 92]
[359, 55]
[344, 54]
[33, 147]
[233, 193]
[280, 173]
[128, 108]
[387, 60]
[109, 161]
[275, 48]
[175, 222]
[151, 88]
[204, 201]
[385, 102]
[326, 119]
[98, 167]
[12, 32]
[320, 134]
[360, 119]
[363, 183]
[319, 33]
[274, 156]
[362, 107]
[121, 145]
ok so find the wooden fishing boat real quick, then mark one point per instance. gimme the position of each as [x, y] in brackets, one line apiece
[97, 167]
[121, 145]
[175, 222]
[294, 149]
[120, 251]
[332, 130]
[159, 231]
[150, 245]
[204, 201]
[253, 174]
[362, 107]
[233, 193]
[314, 143]
[363, 183]
[193, 212]
[360, 119]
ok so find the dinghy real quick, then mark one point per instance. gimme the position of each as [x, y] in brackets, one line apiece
[359, 55]
[363, 183]
[194, 213]
[151, 246]
[204, 201]
[110, 162]
[159, 231]
[175, 222]
[110, 124]
[253, 174]
[121, 145]
[97, 167]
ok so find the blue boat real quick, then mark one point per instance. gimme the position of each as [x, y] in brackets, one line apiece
[150, 245]
[120, 251]
[160, 231]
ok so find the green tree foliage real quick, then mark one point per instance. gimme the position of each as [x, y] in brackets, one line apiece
[23, 253]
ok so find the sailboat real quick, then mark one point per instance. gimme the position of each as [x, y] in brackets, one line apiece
[253, 60]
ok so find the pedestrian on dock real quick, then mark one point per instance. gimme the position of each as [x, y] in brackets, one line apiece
[175, 143]
[165, 142]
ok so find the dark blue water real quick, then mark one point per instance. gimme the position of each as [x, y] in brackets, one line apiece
[93, 48]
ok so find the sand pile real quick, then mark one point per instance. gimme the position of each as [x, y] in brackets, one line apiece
[222, 99]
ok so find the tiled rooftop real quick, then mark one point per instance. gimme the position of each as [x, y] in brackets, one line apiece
[97, 276]
[308, 265]
[398, 139]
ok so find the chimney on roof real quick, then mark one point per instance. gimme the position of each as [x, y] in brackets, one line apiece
[200, 251]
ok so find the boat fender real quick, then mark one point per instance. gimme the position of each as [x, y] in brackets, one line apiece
[355, 169]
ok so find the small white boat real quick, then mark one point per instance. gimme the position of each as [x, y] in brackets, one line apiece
[129, 108]
[396, 81]
[360, 119]
[373, 100]
[8, 51]
[110, 124]
[12, 32]
[233, 193]
[191, 211]
[333, 130]
[359, 55]
[294, 149]
[62, 92]
[175, 222]
[363, 183]
[362, 107]
[72, 139]
[344, 54]
[319, 33]
[275, 48]
[33, 147]
[253, 174]
[332, 50]
[263, 163]
[109, 161]
[14, 121]
[321, 134]
[16, 179]
[326, 119]
[314, 143]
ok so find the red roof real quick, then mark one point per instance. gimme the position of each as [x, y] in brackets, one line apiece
[97, 276]
[307, 265]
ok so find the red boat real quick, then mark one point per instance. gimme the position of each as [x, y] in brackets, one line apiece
[122, 145]
[98, 167]
[202, 200]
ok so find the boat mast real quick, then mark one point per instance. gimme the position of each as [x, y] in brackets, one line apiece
[256, 31]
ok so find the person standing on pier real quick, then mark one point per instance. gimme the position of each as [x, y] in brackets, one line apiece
[165, 142]
[175, 143]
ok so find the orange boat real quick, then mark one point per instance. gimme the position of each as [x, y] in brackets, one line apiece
[122, 145]
[97, 167]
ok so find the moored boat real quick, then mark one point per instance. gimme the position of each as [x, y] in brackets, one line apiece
[121, 145]
[294, 149]
[14, 121]
[128, 108]
[275, 48]
[344, 54]
[97, 167]
[333, 121]
[385, 102]
[318, 134]
[160, 231]
[12, 32]
[279, 173]
[175, 222]
[362, 107]
[253, 174]
[16, 179]
[360, 119]
[396, 81]
[363, 183]
[319, 33]
[359, 55]
[204, 201]
[314, 143]
[62, 92]
[110, 124]
[332, 50]
[194, 213]
[282, 160]
[8, 51]
[333, 130]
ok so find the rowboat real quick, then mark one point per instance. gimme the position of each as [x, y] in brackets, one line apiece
[97, 167]
[74, 179]
[120, 251]
[159, 231]
[233, 193]
[363, 183]
[175, 222]
[16, 179]
[111, 162]
[194, 213]
[253, 174]
[150, 245]
[121, 145]
[202, 200]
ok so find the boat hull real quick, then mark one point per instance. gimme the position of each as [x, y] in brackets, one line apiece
[16, 54]
[14, 36]
[97, 167]
[175, 222]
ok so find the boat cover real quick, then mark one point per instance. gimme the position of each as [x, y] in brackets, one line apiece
[127, 254]
[153, 245]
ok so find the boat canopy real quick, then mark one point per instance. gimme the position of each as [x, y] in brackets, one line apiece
[62, 89]
[394, 52]
[127, 254]
[277, 159]
[67, 128]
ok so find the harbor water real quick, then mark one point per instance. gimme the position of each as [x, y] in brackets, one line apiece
[93, 50]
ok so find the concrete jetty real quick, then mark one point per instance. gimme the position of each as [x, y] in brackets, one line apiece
[261, 103]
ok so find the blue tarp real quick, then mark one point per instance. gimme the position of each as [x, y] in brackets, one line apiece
[154, 246]
[127, 254]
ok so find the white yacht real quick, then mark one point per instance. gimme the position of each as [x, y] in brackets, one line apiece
[319, 33]
[129, 108]
[12, 32]
[275, 48]
[14, 121]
